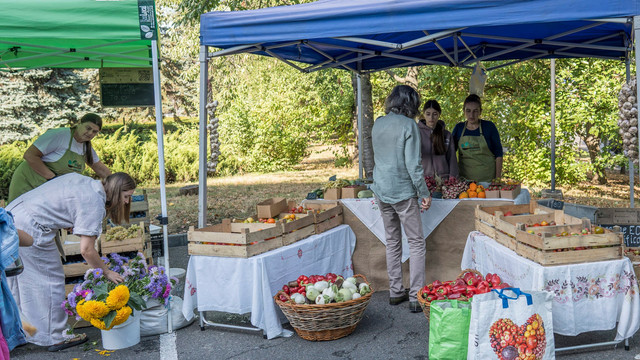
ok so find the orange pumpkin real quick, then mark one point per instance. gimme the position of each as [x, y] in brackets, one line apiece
[473, 194]
[463, 195]
[473, 186]
[482, 195]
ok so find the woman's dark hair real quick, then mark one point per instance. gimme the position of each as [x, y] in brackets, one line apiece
[432, 104]
[473, 98]
[114, 185]
[437, 135]
[403, 100]
[95, 119]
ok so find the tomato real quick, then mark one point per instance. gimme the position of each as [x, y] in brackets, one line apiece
[271, 221]
[532, 342]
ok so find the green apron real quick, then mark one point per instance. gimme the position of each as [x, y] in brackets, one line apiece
[475, 159]
[25, 178]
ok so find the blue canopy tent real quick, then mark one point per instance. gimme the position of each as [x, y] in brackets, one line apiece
[366, 36]
[371, 35]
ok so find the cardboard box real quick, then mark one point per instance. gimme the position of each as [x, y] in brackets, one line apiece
[271, 208]
[352, 192]
[333, 194]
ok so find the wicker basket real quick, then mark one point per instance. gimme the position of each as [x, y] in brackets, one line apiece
[426, 305]
[324, 322]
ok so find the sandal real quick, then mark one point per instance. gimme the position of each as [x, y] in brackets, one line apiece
[76, 340]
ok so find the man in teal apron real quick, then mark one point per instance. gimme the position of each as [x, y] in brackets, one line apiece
[478, 143]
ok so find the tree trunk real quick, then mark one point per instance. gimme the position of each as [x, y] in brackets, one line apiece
[365, 149]
[410, 78]
[593, 146]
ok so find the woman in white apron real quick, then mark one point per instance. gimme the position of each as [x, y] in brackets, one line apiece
[68, 201]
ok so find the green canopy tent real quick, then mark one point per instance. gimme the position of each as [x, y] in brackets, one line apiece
[86, 34]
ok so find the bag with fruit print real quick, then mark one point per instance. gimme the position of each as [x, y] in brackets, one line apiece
[509, 324]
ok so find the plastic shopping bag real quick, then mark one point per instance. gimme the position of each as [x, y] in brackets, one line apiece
[449, 329]
[508, 323]
[477, 80]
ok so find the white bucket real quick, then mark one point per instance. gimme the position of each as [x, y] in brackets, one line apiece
[124, 335]
[180, 274]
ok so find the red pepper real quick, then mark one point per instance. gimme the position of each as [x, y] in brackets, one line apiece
[430, 298]
[313, 279]
[471, 290]
[495, 280]
[283, 298]
[484, 284]
[331, 277]
[458, 289]
[286, 289]
[302, 279]
[455, 296]
[487, 277]
[436, 283]
[442, 290]
[467, 276]
[301, 290]
[293, 290]
[321, 278]
[472, 281]
[460, 281]
[441, 297]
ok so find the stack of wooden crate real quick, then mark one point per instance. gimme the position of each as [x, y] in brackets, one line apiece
[547, 236]
[327, 214]
[139, 210]
[141, 242]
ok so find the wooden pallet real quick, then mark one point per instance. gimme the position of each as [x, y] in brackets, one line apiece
[231, 239]
[539, 243]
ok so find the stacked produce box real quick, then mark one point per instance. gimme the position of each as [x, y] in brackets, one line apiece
[277, 223]
[546, 236]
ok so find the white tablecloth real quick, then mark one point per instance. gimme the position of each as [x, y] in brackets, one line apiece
[369, 214]
[238, 285]
[588, 296]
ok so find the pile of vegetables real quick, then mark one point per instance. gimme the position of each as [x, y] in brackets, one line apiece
[121, 233]
[324, 289]
[453, 187]
[466, 286]
[628, 122]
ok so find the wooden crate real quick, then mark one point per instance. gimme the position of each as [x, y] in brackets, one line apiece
[71, 243]
[138, 243]
[302, 227]
[139, 207]
[539, 243]
[327, 214]
[75, 266]
[230, 239]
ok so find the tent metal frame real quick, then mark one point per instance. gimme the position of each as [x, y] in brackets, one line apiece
[451, 59]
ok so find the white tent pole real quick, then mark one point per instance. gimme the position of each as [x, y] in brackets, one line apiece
[636, 29]
[359, 110]
[631, 166]
[553, 124]
[160, 135]
[202, 173]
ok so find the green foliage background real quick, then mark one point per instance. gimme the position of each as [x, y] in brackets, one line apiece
[271, 113]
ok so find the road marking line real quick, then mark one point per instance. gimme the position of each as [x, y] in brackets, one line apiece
[168, 349]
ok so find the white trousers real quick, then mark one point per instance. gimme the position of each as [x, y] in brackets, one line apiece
[39, 292]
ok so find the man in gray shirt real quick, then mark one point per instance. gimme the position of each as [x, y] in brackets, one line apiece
[397, 184]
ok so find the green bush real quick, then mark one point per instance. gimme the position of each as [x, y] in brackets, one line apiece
[10, 158]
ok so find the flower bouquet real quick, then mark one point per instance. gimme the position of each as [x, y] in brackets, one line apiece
[105, 304]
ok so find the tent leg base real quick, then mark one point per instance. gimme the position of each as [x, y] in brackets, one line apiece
[587, 346]
[204, 322]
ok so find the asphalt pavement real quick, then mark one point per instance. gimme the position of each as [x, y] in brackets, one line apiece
[385, 332]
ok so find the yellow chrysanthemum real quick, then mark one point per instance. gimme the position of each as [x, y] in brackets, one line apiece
[82, 311]
[99, 324]
[118, 297]
[95, 309]
[121, 316]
